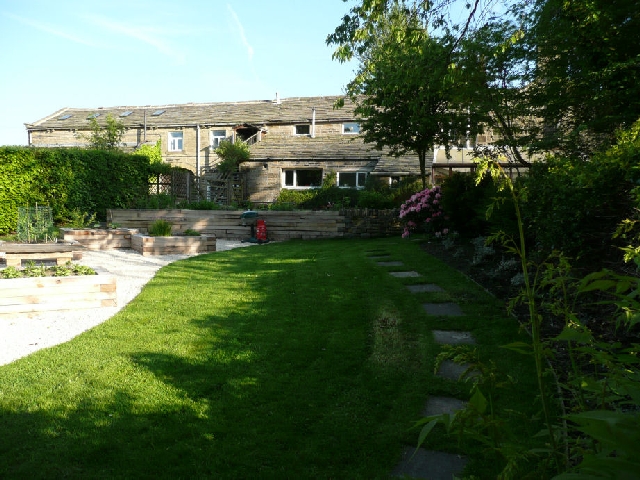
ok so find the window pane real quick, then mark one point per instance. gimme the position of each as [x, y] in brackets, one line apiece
[288, 178]
[362, 179]
[175, 141]
[309, 178]
[347, 179]
[353, 128]
[302, 130]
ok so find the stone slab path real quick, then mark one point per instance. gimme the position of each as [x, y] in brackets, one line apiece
[421, 463]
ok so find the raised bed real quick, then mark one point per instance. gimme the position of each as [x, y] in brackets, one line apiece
[177, 244]
[43, 294]
[100, 238]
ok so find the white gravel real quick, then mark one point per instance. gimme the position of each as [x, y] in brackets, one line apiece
[25, 334]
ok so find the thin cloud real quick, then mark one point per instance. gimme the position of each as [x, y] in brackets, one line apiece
[43, 27]
[241, 30]
[142, 34]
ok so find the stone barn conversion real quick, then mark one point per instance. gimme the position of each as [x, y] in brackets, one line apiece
[294, 142]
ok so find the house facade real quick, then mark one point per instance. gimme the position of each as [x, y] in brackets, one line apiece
[294, 142]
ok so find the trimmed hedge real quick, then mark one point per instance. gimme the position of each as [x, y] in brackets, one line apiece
[68, 179]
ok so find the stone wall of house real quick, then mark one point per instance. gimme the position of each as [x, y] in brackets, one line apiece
[264, 180]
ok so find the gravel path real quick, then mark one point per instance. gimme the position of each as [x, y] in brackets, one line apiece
[26, 334]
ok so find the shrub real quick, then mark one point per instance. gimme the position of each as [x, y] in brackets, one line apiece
[232, 155]
[160, 228]
[191, 233]
[423, 212]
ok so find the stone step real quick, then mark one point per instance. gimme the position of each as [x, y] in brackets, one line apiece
[443, 309]
[452, 371]
[428, 464]
[452, 337]
[405, 274]
[424, 287]
[440, 405]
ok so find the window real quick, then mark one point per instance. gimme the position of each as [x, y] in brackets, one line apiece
[157, 113]
[302, 178]
[352, 179]
[64, 117]
[216, 137]
[93, 115]
[175, 141]
[126, 114]
[302, 130]
[351, 128]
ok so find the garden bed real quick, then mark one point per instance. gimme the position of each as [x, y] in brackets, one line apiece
[99, 238]
[175, 244]
[44, 294]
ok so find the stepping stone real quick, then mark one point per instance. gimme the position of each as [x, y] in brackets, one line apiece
[405, 274]
[440, 405]
[429, 464]
[452, 371]
[443, 309]
[390, 264]
[379, 257]
[450, 337]
[424, 287]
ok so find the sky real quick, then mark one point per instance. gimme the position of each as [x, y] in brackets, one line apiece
[106, 53]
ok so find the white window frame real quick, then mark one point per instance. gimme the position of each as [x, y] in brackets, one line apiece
[348, 131]
[175, 141]
[358, 175]
[295, 130]
[216, 139]
[295, 185]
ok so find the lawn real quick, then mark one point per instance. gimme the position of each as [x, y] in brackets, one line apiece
[301, 359]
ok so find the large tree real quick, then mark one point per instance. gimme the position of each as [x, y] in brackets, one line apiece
[407, 89]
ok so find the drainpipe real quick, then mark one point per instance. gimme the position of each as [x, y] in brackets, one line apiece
[197, 160]
[313, 122]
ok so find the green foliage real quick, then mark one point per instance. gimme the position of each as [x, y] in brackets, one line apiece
[35, 224]
[107, 136]
[33, 270]
[191, 233]
[232, 155]
[78, 219]
[465, 203]
[376, 200]
[201, 205]
[158, 201]
[160, 228]
[153, 153]
[68, 179]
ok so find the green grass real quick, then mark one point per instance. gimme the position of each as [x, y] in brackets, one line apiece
[301, 359]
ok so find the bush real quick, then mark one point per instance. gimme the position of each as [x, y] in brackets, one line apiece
[160, 228]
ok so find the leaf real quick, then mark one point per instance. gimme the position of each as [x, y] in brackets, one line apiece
[520, 347]
[570, 334]
[425, 432]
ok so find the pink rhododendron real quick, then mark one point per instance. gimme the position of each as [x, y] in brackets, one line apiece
[423, 212]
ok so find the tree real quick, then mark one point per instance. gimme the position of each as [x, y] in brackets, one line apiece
[107, 137]
[587, 71]
[232, 154]
[407, 88]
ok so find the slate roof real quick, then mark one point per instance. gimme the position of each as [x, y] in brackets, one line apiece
[334, 147]
[258, 112]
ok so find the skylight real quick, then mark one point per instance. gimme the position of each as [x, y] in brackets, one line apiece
[126, 114]
[64, 117]
[157, 113]
[93, 115]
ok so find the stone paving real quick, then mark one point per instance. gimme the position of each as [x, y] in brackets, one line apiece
[421, 463]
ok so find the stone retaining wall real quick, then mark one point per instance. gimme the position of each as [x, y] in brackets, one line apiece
[281, 225]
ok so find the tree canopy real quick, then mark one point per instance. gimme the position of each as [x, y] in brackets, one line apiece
[544, 75]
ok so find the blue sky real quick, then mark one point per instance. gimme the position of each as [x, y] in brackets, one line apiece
[91, 53]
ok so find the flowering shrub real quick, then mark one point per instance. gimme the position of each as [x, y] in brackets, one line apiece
[423, 212]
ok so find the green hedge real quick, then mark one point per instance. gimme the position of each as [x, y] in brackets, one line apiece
[68, 179]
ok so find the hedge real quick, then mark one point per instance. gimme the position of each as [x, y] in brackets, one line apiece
[90, 181]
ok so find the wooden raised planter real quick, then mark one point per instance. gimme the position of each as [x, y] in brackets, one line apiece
[99, 238]
[179, 244]
[43, 294]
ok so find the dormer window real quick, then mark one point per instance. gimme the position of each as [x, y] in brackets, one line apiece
[302, 130]
[351, 128]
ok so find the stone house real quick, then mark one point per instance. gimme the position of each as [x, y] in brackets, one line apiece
[294, 142]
